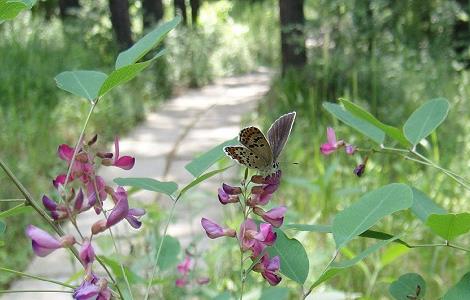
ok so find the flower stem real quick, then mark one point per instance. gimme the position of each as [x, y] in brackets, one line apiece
[160, 246]
[34, 291]
[12, 200]
[322, 273]
[80, 138]
[37, 277]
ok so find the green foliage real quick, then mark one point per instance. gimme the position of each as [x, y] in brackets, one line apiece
[425, 120]
[279, 293]
[294, 258]
[149, 184]
[201, 179]
[355, 122]
[84, 84]
[170, 252]
[14, 211]
[459, 291]
[407, 286]
[200, 164]
[9, 9]
[423, 206]
[368, 210]
[449, 226]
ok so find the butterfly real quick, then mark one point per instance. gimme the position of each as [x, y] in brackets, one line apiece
[257, 152]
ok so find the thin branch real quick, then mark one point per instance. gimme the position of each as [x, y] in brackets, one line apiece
[37, 277]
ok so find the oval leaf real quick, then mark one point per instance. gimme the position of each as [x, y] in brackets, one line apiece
[199, 165]
[425, 119]
[408, 286]
[366, 128]
[459, 291]
[294, 259]
[84, 84]
[423, 206]
[201, 179]
[125, 74]
[10, 9]
[337, 268]
[145, 44]
[149, 184]
[169, 254]
[449, 226]
[370, 208]
[278, 293]
[363, 114]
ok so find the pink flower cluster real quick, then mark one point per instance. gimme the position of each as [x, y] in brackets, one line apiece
[253, 238]
[83, 174]
[184, 268]
[332, 145]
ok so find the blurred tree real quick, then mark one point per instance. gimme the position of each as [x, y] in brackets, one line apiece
[461, 32]
[292, 21]
[152, 12]
[67, 7]
[121, 22]
[180, 8]
[195, 4]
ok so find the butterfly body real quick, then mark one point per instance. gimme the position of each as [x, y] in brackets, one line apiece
[261, 153]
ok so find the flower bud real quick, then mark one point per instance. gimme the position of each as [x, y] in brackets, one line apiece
[104, 155]
[107, 162]
[98, 226]
[92, 140]
[82, 157]
[67, 240]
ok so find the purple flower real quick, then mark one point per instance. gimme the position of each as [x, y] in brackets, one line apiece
[350, 149]
[202, 280]
[57, 211]
[261, 194]
[120, 212]
[249, 235]
[87, 253]
[185, 266]
[181, 282]
[359, 170]
[269, 269]
[214, 230]
[82, 167]
[332, 145]
[124, 162]
[275, 216]
[43, 243]
[226, 198]
[91, 192]
[93, 289]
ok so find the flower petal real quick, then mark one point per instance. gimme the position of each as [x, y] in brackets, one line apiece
[213, 230]
[65, 152]
[125, 162]
[331, 136]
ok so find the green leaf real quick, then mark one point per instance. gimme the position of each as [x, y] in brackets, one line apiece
[425, 120]
[10, 9]
[449, 226]
[278, 293]
[3, 227]
[116, 269]
[294, 259]
[368, 210]
[309, 227]
[336, 268]
[423, 206]
[408, 286]
[84, 84]
[366, 128]
[201, 179]
[14, 211]
[199, 165]
[361, 113]
[392, 253]
[145, 44]
[459, 291]
[169, 254]
[378, 235]
[149, 184]
[223, 296]
[124, 74]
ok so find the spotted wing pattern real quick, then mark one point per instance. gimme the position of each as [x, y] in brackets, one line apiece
[253, 139]
[279, 132]
[245, 157]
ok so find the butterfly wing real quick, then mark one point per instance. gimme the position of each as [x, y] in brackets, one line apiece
[245, 157]
[255, 152]
[279, 132]
[253, 139]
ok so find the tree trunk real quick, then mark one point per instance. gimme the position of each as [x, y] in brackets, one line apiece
[121, 22]
[66, 8]
[195, 4]
[152, 12]
[461, 35]
[180, 8]
[292, 22]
